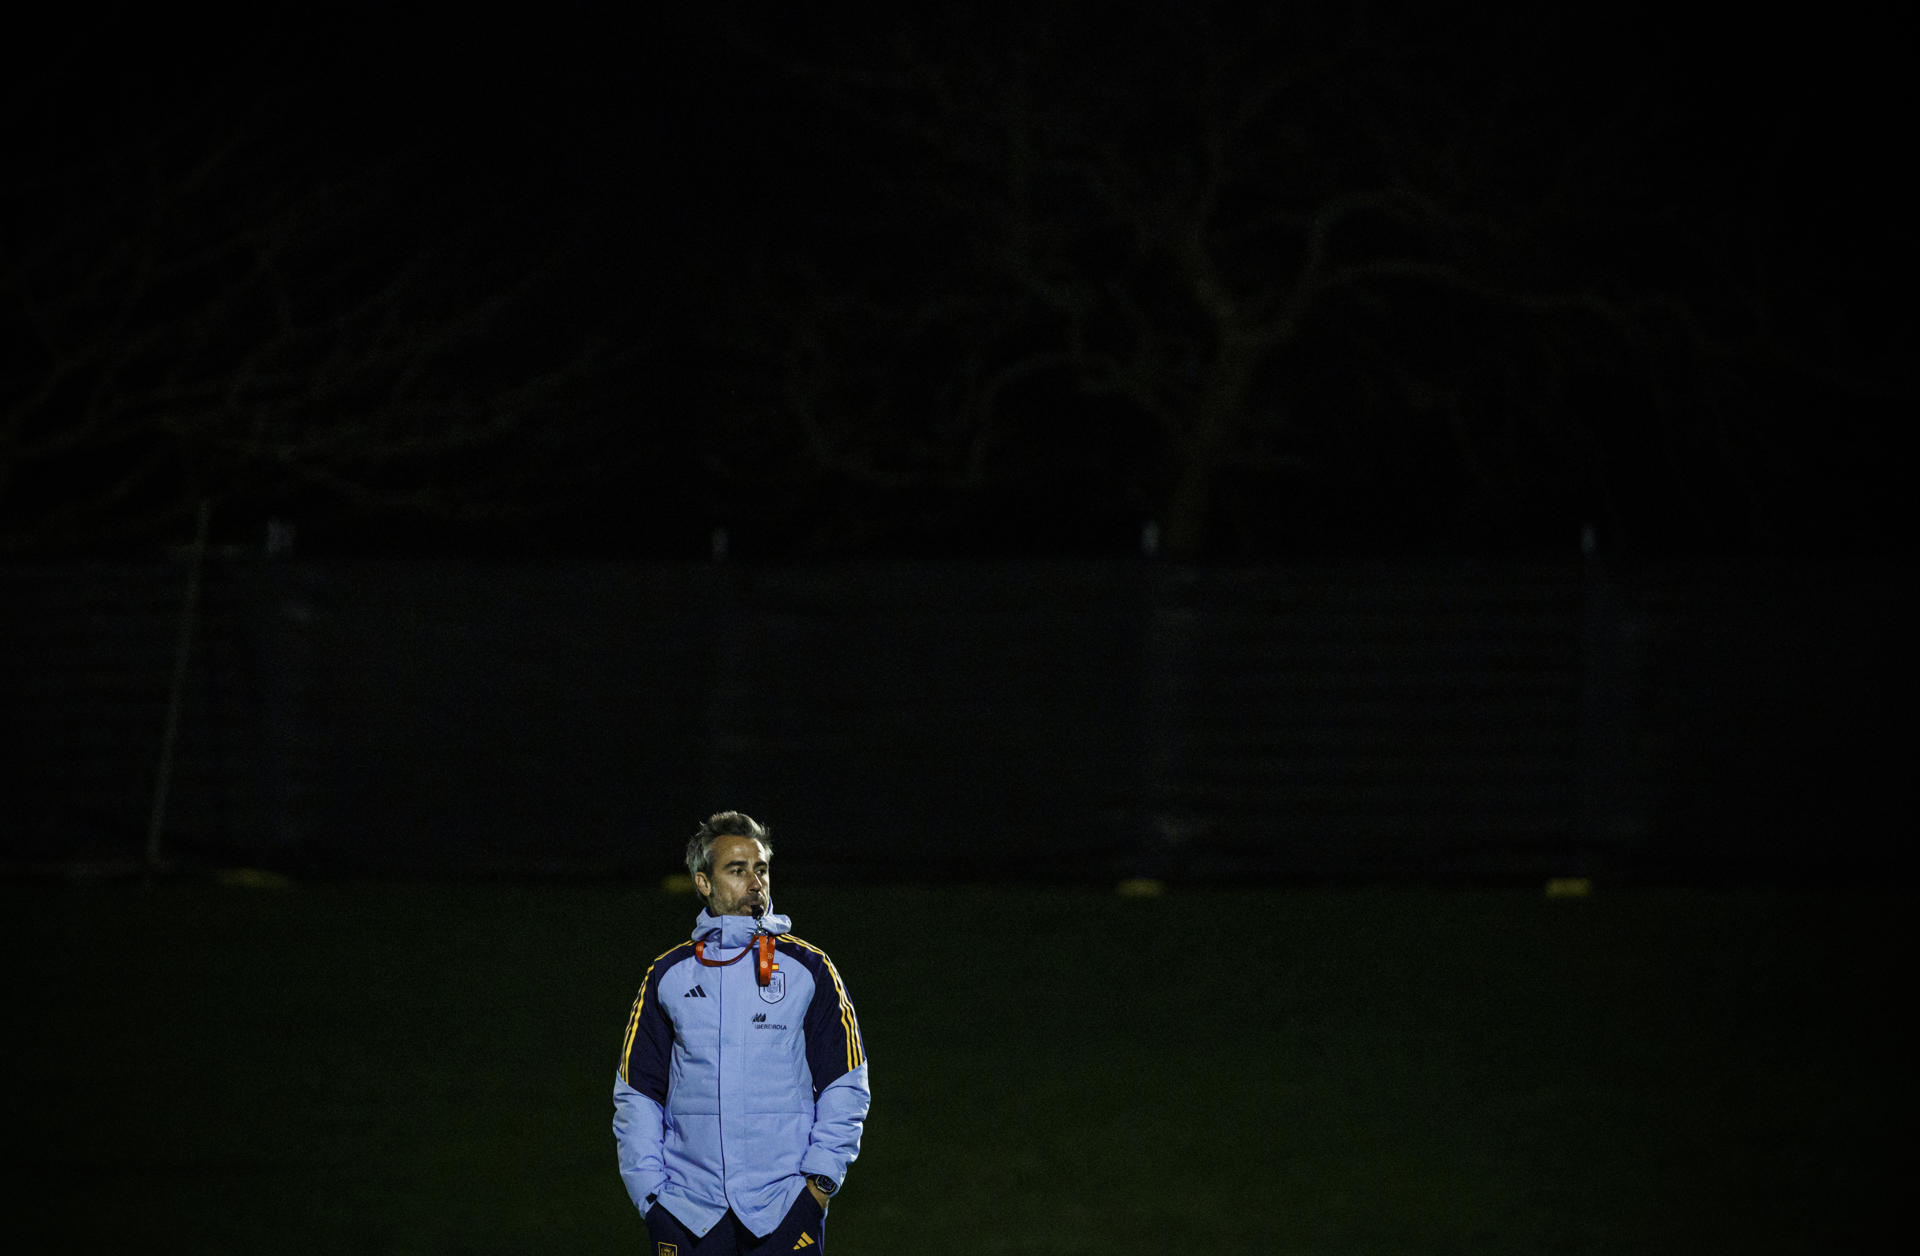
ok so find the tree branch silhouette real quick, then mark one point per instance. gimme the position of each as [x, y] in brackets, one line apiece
[223, 301]
[1196, 261]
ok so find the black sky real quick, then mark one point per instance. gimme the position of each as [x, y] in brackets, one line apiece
[668, 197]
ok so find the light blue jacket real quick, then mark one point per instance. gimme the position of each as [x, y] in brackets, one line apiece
[730, 1092]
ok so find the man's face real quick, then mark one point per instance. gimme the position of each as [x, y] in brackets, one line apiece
[742, 880]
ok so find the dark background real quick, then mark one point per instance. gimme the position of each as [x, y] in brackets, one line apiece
[848, 409]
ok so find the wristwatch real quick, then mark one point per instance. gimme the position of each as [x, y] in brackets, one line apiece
[822, 1183]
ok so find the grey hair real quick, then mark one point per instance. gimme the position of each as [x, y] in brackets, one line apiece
[723, 824]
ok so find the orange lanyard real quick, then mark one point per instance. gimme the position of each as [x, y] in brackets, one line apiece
[763, 968]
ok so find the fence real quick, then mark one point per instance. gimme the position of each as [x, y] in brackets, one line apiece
[1324, 721]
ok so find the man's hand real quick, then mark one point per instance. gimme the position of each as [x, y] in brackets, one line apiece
[819, 1196]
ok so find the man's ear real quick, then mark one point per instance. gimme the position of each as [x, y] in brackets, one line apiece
[703, 885]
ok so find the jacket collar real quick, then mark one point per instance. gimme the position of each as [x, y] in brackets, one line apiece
[736, 930]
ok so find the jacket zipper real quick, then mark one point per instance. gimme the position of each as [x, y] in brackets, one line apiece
[720, 1084]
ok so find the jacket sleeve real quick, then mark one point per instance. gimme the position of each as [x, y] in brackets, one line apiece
[637, 1128]
[640, 1092]
[837, 1057]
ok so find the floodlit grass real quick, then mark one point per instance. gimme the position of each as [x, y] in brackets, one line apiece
[427, 1069]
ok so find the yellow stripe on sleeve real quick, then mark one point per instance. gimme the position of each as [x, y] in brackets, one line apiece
[849, 1023]
[633, 1017]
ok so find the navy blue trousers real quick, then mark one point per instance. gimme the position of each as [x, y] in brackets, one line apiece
[803, 1229]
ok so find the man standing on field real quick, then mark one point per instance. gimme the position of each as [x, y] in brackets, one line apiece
[742, 1087]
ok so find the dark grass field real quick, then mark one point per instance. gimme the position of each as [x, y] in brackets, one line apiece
[393, 1069]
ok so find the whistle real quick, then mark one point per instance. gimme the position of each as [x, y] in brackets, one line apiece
[765, 965]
